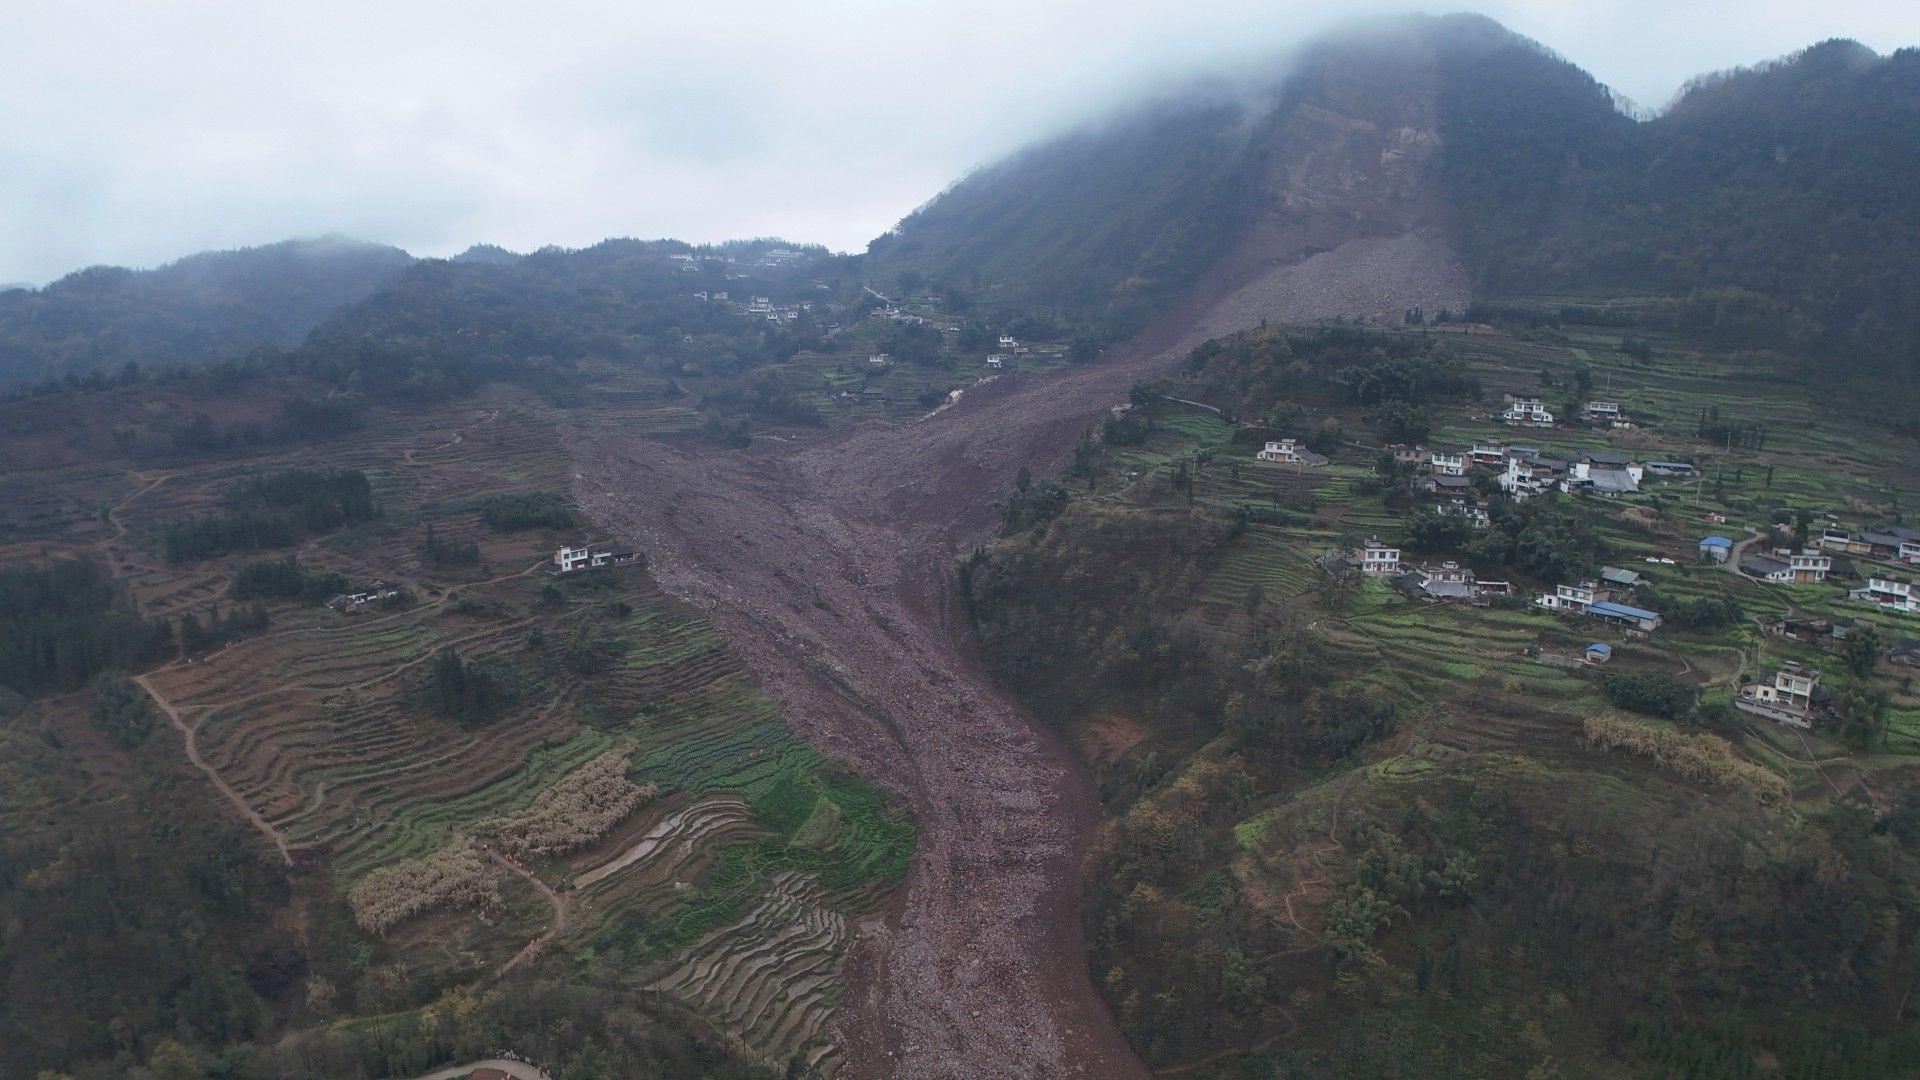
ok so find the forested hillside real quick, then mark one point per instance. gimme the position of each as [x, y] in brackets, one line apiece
[1769, 206]
[1777, 205]
[212, 306]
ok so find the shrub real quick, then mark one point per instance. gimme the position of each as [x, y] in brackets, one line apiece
[458, 875]
[526, 510]
[1707, 759]
[574, 812]
[1651, 692]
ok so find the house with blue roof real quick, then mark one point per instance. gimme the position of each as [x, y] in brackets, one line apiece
[1632, 618]
[1717, 548]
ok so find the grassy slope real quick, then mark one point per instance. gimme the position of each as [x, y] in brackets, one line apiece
[1230, 864]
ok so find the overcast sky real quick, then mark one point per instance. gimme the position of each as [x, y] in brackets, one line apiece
[133, 132]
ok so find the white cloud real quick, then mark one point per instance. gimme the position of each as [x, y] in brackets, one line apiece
[135, 132]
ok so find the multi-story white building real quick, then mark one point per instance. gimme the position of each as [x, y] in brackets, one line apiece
[1889, 593]
[1378, 558]
[1576, 597]
[1525, 409]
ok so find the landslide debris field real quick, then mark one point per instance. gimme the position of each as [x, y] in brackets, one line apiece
[827, 566]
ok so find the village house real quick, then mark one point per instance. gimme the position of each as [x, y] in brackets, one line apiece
[1526, 409]
[1487, 452]
[1626, 579]
[997, 361]
[1893, 594]
[1788, 698]
[1450, 581]
[1891, 543]
[1811, 631]
[1606, 413]
[1447, 463]
[1528, 473]
[1408, 455]
[1671, 470]
[1809, 565]
[1290, 451]
[1634, 620]
[571, 558]
[371, 592]
[879, 359]
[1378, 559]
[1767, 568]
[1576, 598]
[1603, 473]
[1007, 341]
[1598, 653]
[1717, 548]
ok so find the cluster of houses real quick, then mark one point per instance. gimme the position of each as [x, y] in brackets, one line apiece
[1526, 408]
[372, 592]
[1447, 581]
[583, 557]
[772, 312]
[1595, 598]
[1888, 543]
[1522, 471]
[1829, 558]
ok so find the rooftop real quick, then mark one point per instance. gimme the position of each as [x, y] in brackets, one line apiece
[1621, 611]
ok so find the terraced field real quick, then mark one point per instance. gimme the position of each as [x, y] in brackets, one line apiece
[734, 890]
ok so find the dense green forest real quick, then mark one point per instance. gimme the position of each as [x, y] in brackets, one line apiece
[62, 624]
[1778, 205]
[272, 512]
[212, 306]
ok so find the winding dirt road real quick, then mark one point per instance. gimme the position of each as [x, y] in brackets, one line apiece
[189, 733]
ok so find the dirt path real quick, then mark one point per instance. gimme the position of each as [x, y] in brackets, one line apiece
[519, 1070]
[560, 912]
[189, 733]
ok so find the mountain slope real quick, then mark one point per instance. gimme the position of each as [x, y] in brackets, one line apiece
[1779, 202]
[204, 307]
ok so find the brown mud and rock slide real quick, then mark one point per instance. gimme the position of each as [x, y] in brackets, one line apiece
[827, 564]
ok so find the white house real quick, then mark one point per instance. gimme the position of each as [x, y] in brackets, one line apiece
[1448, 462]
[1810, 565]
[1290, 451]
[570, 558]
[996, 361]
[1890, 593]
[1378, 558]
[1007, 342]
[1788, 698]
[1526, 409]
[1576, 598]
[1910, 552]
